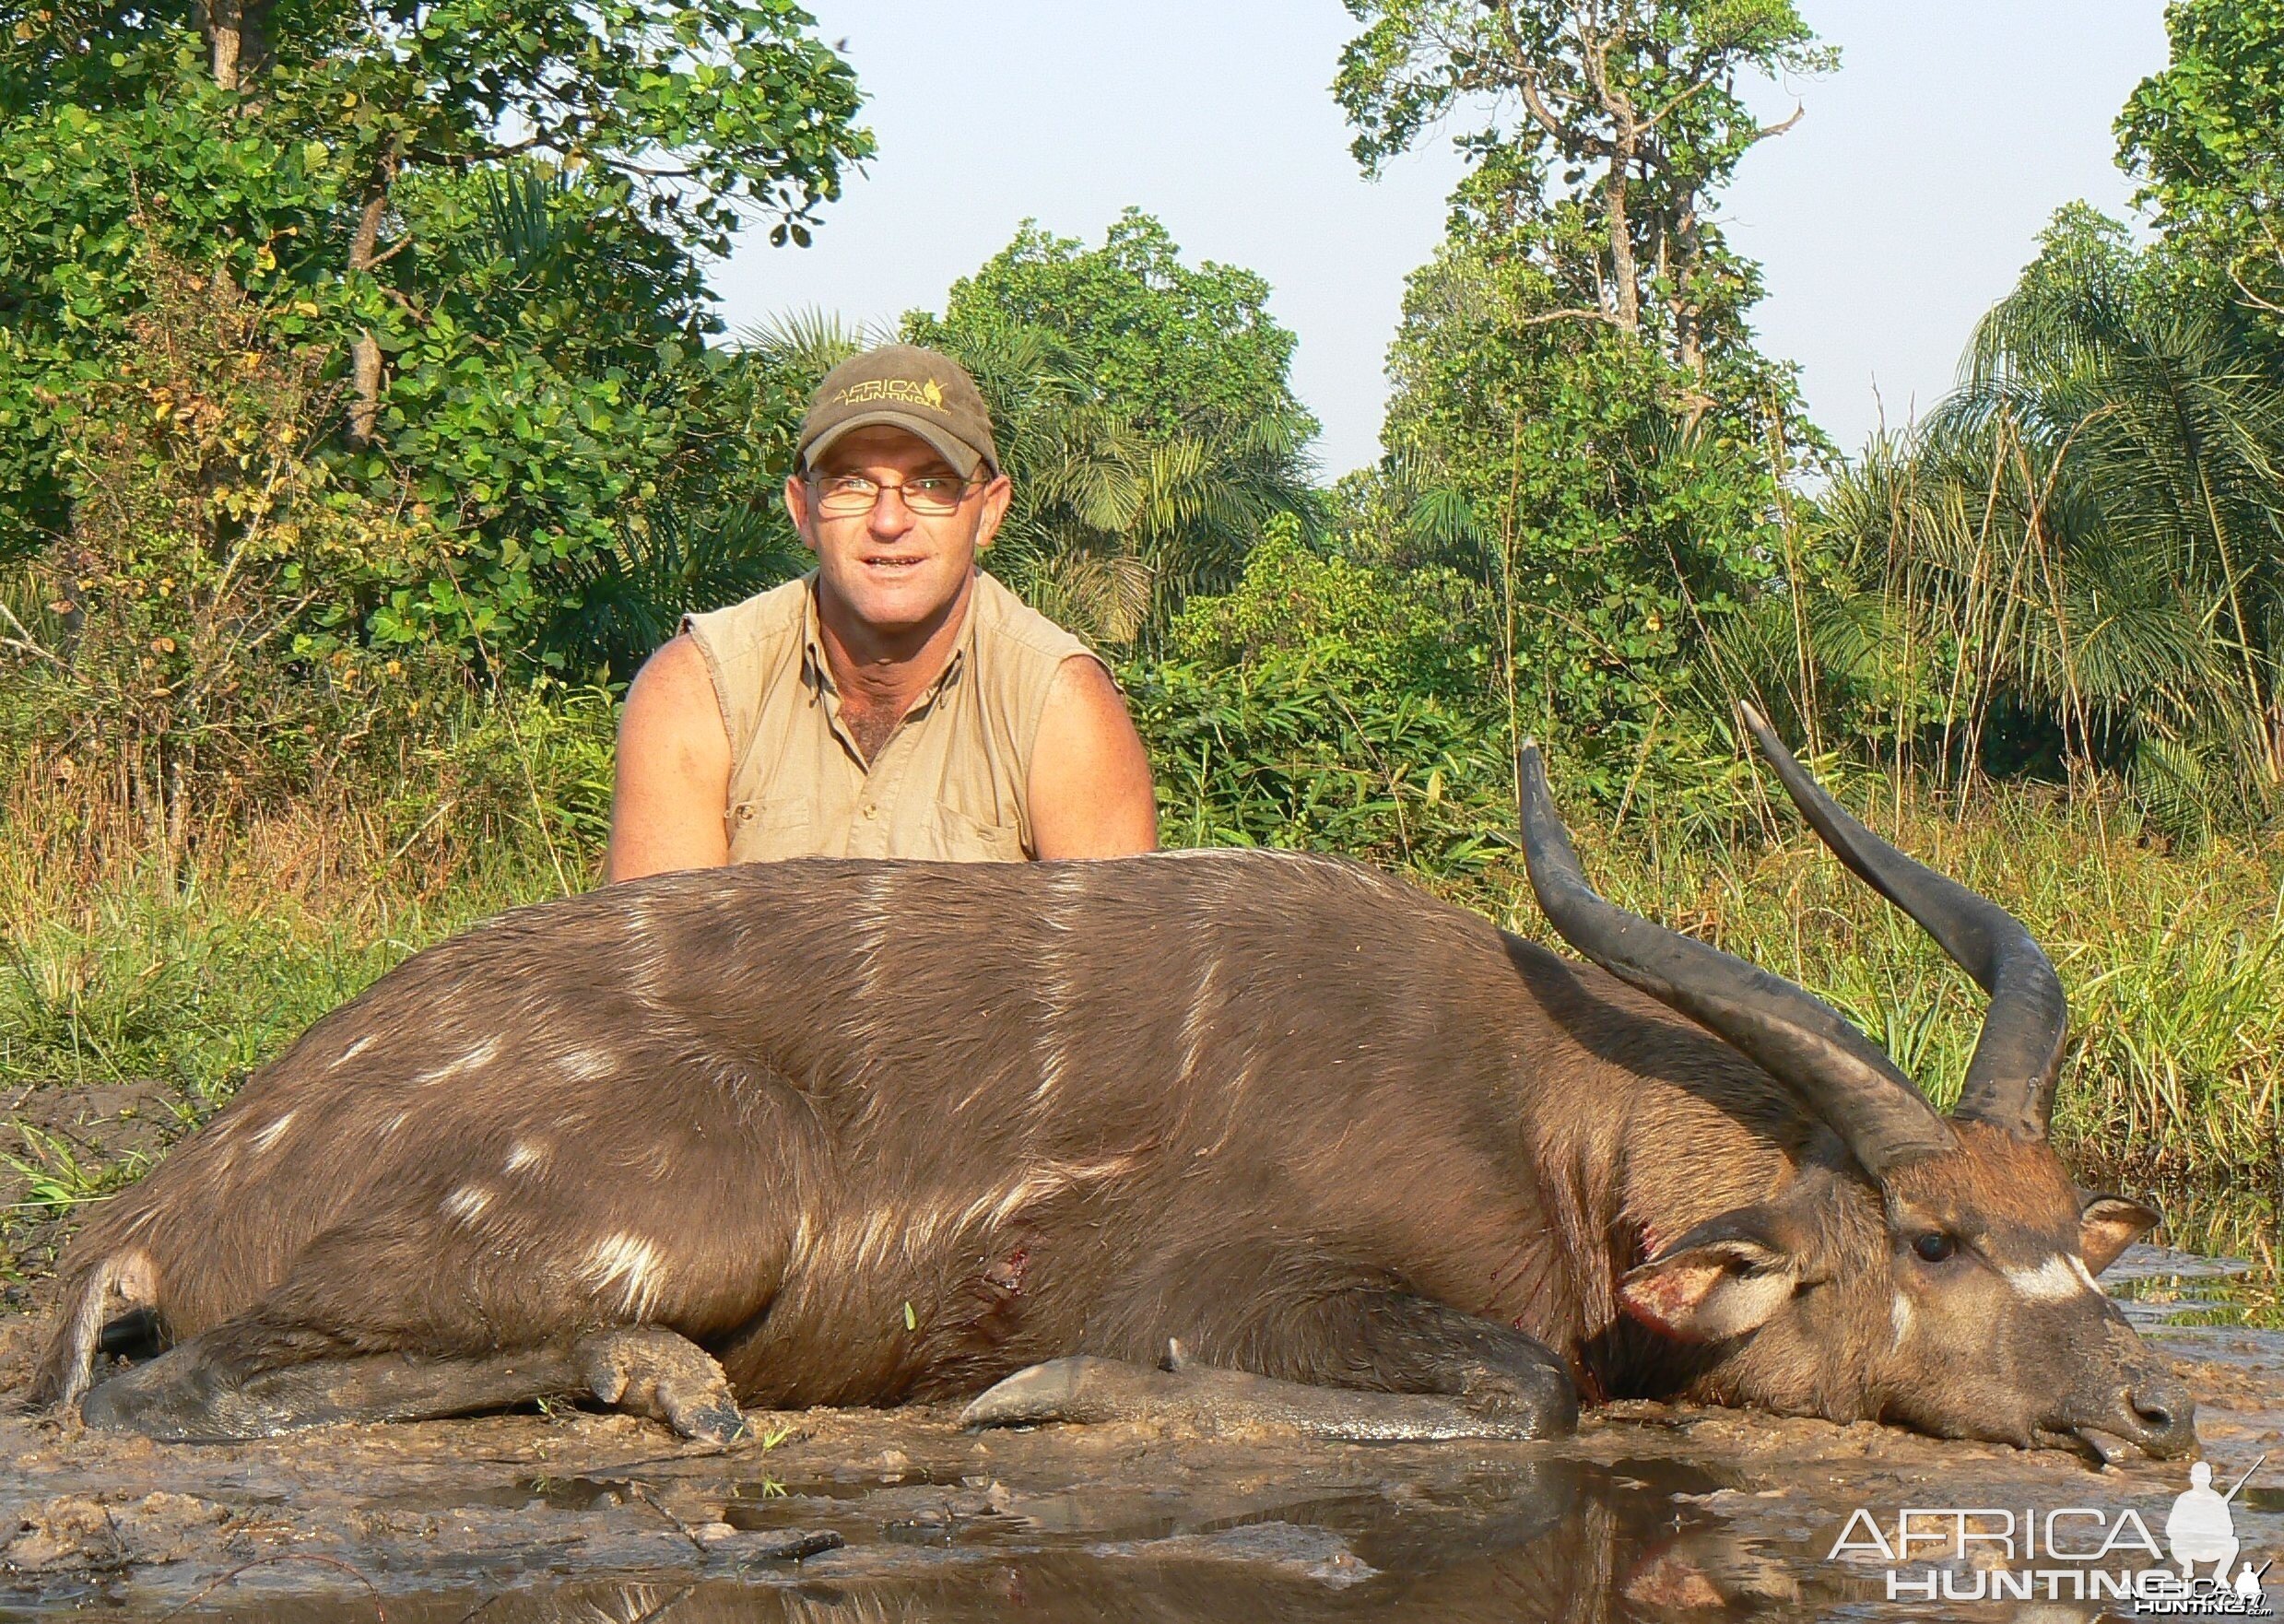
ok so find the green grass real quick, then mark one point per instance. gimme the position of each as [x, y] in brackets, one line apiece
[2173, 962]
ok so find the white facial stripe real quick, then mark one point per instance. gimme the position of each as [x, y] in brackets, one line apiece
[1899, 1316]
[2057, 1279]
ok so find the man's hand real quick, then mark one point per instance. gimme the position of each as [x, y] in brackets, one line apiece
[673, 787]
[1089, 786]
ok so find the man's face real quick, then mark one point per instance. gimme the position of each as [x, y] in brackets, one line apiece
[892, 568]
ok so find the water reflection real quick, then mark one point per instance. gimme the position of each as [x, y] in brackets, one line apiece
[2219, 1264]
[1555, 1540]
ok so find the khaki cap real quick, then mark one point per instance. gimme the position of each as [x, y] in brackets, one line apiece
[905, 387]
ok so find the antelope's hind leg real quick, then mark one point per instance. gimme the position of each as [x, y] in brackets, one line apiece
[1379, 1367]
[193, 1394]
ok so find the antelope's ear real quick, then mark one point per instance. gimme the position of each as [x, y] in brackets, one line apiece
[2109, 1224]
[1723, 1278]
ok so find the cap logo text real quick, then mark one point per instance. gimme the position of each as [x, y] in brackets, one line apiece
[906, 390]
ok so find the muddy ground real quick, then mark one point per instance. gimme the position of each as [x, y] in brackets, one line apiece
[1651, 1512]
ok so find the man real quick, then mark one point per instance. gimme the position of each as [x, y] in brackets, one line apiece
[896, 702]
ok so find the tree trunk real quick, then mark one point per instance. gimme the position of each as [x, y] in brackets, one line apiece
[234, 39]
[365, 354]
[1624, 271]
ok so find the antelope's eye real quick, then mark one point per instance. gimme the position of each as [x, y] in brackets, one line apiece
[1934, 1247]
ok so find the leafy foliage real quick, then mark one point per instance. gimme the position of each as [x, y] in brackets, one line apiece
[1177, 349]
[2202, 136]
[1143, 409]
[1606, 128]
[481, 217]
[1579, 423]
[2083, 547]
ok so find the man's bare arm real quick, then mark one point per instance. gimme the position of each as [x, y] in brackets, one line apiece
[673, 782]
[1089, 786]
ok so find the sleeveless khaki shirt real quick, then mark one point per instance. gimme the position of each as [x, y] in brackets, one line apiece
[951, 781]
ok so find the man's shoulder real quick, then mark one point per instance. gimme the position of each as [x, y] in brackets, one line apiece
[1006, 620]
[751, 628]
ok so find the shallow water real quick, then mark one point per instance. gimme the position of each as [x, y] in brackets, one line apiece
[1651, 1513]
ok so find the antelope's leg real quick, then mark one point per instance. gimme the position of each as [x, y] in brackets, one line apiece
[189, 1395]
[1432, 1372]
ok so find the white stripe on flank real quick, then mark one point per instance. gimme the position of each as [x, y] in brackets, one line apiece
[1193, 1020]
[2055, 1280]
[878, 909]
[629, 1263]
[996, 1207]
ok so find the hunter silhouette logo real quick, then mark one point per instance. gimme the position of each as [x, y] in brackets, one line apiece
[2072, 1553]
[920, 391]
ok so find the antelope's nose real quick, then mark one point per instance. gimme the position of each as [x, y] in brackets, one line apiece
[2160, 1417]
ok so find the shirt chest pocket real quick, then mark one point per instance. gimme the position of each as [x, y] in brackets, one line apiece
[769, 830]
[964, 839]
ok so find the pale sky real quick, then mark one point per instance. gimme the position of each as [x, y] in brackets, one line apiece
[1896, 212]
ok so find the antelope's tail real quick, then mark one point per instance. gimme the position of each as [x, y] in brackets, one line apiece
[104, 1289]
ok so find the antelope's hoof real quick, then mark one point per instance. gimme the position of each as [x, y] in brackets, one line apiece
[649, 1371]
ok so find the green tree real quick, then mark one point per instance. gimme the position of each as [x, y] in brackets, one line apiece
[1174, 347]
[344, 350]
[2203, 136]
[2085, 540]
[1606, 129]
[1142, 406]
[1579, 420]
[483, 216]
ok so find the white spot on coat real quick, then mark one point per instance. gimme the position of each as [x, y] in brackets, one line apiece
[275, 1132]
[481, 1056]
[627, 1265]
[525, 1153]
[586, 1064]
[467, 1202]
[352, 1052]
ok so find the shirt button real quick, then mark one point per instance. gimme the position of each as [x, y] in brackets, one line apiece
[872, 811]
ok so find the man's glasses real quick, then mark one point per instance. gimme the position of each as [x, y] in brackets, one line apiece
[843, 495]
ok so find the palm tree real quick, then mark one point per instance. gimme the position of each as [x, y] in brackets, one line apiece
[2091, 529]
